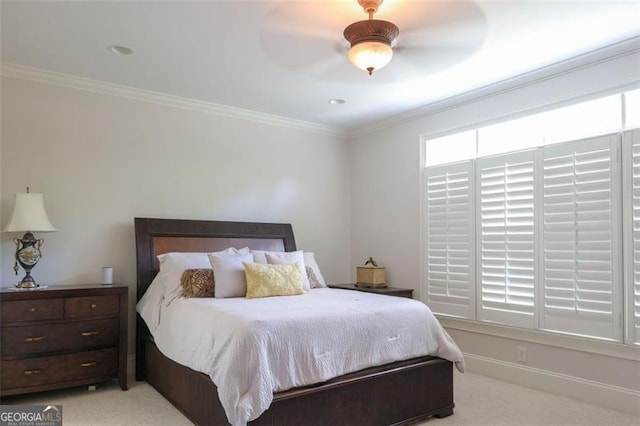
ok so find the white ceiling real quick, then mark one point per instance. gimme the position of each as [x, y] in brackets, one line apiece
[288, 58]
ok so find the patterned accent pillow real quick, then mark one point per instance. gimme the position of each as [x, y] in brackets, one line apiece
[273, 280]
[197, 283]
[313, 280]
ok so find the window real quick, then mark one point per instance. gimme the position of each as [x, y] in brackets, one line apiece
[580, 239]
[449, 235]
[532, 238]
[631, 217]
[586, 119]
[632, 109]
[438, 151]
[506, 249]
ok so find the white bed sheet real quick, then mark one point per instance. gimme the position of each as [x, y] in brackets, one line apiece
[252, 348]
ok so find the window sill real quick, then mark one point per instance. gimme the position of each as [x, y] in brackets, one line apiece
[601, 347]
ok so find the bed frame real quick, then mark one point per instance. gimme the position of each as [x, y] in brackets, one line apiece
[397, 393]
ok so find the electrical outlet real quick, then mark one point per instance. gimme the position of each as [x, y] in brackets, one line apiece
[522, 354]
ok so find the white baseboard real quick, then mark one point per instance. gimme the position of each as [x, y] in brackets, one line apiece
[608, 396]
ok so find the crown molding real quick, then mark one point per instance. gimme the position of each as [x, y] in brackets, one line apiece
[111, 89]
[617, 50]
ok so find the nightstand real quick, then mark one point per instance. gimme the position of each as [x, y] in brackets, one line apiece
[389, 291]
[62, 336]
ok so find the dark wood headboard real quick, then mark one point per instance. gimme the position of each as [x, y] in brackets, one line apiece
[157, 236]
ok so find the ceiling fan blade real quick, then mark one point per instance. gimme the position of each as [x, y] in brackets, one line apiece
[298, 52]
[448, 16]
[439, 34]
[428, 59]
[302, 35]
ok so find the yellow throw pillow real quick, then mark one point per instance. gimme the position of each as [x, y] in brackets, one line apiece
[265, 280]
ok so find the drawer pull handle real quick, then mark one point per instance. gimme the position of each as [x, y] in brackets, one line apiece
[89, 364]
[34, 339]
[90, 333]
[31, 372]
[93, 306]
[32, 309]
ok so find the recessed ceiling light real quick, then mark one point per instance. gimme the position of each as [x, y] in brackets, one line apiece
[336, 101]
[121, 50]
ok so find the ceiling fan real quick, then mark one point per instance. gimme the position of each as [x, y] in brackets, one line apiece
[371, 39]
[423, 36]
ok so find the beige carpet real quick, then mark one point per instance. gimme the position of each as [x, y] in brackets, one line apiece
[479, 401]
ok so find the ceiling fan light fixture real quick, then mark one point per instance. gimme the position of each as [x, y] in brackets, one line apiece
[370, 55]
[371, 39]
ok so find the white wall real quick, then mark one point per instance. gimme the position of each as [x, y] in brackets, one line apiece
[386, 162]
[102, 160]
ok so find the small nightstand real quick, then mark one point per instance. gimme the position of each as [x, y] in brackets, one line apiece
[389, 291]
[62, 336]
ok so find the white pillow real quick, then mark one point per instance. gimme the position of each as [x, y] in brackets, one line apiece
[150, 304]
[228, 273]
[287, 258]
[173, 265]
[259, 256]
[310, 262]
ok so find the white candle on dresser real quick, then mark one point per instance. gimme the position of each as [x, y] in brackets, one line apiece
[107, 275]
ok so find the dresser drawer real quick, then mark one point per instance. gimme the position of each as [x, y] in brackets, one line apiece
[91, 306]
[37, 339]
[85, 365]
[31, 310]
[31, 372]
[58, 369]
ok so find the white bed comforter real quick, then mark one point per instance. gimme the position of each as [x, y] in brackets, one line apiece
[252, 348]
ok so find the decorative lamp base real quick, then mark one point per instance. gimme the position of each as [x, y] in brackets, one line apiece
[27, 255]
[27, 282]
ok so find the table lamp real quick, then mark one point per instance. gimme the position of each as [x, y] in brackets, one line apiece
[28, 216]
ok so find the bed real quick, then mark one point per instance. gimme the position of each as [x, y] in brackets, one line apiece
[400, 392]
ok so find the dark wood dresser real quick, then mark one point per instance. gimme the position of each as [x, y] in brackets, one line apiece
[62, 336]
[389, 291]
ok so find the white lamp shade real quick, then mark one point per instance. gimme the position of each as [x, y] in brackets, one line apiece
[29, 214]
[370, 54]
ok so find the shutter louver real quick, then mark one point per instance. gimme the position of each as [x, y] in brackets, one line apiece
[579, 246]
[506, 228]
[449, 239]
[631, 189]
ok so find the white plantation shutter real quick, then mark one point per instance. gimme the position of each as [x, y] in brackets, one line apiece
[581, 284]
[506, 256]
[448, 224]
[631, 191]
